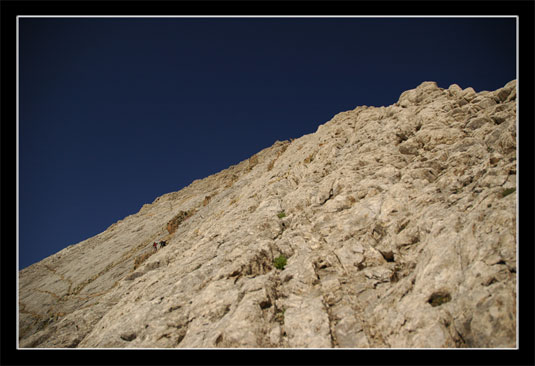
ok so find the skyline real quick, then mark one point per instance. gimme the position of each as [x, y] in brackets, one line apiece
[261, 97]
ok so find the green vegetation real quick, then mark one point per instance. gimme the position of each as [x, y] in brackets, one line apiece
[281, 214]
[279, 315]
[280, 262]
[508, 191]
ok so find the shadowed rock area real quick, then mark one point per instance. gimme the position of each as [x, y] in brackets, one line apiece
[398, 226]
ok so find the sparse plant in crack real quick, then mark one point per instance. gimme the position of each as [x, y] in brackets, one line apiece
[507, 192]
[279, 315]
[280, 262]
[281, 214]
[309, 158]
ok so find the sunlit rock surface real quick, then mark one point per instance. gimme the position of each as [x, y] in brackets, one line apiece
[398, 224]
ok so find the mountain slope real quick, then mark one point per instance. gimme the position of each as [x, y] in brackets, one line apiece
[398, 224]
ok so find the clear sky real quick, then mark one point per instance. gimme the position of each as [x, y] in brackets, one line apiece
[115, 112]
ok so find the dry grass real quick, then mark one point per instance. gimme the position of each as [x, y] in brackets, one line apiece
[271, 164]
[232, 180]
[182, 216]
[142, 258]
[253, 161]
[279, 153]
[309, 159]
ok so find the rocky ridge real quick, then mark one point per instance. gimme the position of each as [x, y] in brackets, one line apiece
[398, 224]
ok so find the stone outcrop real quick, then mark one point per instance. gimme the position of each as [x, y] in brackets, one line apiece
[398, 225]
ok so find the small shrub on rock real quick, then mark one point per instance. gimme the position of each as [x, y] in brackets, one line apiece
[508, 191]
[280, 262]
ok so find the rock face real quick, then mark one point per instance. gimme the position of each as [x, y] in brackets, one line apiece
[398, 225]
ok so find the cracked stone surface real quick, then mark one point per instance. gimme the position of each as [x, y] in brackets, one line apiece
[398, 224]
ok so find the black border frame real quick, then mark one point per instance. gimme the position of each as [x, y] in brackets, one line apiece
[524, 355]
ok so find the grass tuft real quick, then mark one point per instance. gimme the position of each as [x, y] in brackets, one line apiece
[280, 262]
[508, 191]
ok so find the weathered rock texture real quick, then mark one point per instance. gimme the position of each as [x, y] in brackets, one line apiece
[398, 224]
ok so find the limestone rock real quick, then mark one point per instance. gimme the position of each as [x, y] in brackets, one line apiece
[398, 225]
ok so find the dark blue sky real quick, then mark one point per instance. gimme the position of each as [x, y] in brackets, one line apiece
[114, 112]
